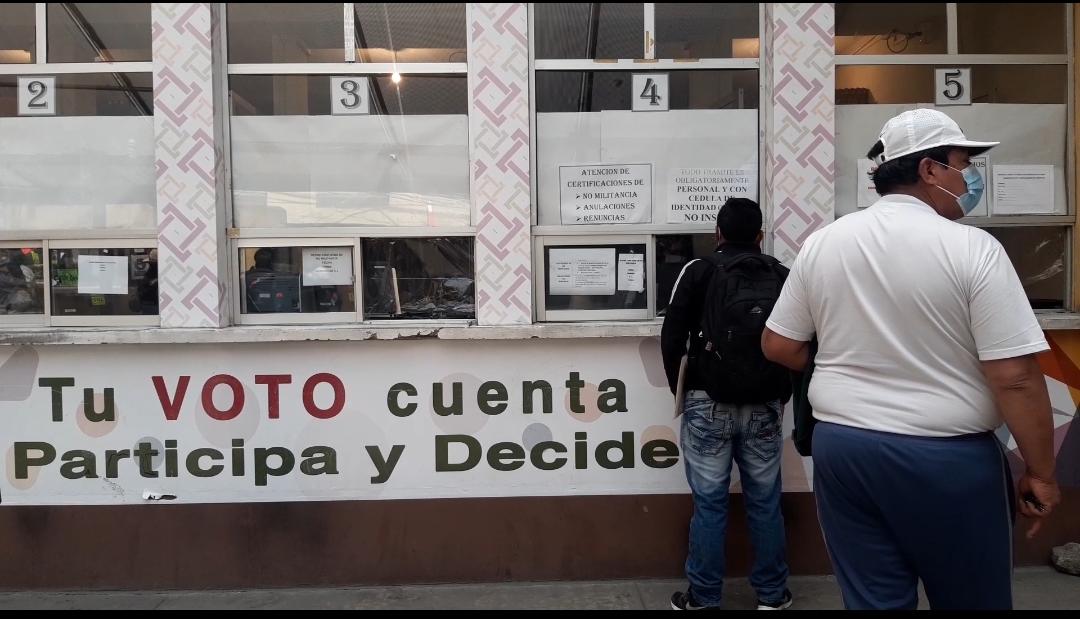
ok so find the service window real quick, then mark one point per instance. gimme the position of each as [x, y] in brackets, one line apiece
[300, 282]
[1002, 72]
[77, 156]
[103, 286]
[595, 278]
[646, 121]
[350, 123]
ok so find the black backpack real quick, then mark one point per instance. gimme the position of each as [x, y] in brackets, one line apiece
[738, 301]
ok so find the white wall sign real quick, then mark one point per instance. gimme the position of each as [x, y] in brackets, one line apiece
[952, 86]
[581, 271]
[1023, 189]
[631, 275]
[649, 92]
[327, 421]
[606, 194]
[349, 96]
[696, 194]
[103, 274]
[865, 193]
[37, 95]
[327, 266]
[982, 164]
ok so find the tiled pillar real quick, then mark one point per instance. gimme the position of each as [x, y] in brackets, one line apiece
[190, 167]
[499, 130]
[800, 127]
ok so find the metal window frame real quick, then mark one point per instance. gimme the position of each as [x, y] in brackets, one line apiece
[41, 64]
[301, 232]
[963, 59]
[99, 321]
[349, 68]
[352, 65]
[236, 276]
[540, 278]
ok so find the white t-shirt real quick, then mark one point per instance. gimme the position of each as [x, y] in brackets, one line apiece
[905, 304]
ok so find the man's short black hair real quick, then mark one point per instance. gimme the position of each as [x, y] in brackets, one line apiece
[903, 171]
[739, 220]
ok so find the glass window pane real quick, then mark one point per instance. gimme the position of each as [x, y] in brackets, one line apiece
[296, 280]
[867, 84]
[419, 278]
[286, 32]
[410, 32]
[1039, 256]
[864, 28]
[700, 30]
[22, 281]
[673, 252]
[1011, 28]
[603, 290]
[17, 23]
[406, 164]
[118, 282]
[585, 118]
[92, 166]
[582, 30]
[99, 32]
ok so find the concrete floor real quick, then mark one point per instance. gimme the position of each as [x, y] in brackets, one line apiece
[1034, 588]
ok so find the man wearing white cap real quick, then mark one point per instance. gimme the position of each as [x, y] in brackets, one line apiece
[926, 344]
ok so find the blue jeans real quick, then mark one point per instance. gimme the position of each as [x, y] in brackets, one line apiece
[714, 434]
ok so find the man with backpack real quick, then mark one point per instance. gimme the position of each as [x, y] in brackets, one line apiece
[733, 405]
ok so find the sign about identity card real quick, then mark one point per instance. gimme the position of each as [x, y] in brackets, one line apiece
[696, 194]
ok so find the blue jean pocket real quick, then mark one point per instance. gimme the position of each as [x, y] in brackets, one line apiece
[708, 427]
[764, 433]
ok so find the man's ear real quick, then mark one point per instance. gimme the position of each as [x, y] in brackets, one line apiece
[929, 170]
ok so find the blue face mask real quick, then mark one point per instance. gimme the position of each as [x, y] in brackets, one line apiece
[975, 187]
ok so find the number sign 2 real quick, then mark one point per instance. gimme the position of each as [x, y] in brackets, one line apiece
[37, 95]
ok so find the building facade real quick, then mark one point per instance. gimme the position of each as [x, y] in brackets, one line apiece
[370, 292]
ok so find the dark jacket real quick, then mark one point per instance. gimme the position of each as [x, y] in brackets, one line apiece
[684, 315]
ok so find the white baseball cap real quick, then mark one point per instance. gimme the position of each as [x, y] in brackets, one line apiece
[922, 129]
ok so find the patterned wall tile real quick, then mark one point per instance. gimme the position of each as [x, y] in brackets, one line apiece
[190, 181]
[499, 129]
[800, 127]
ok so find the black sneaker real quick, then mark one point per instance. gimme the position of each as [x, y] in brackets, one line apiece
[783, 604]
[685, 601]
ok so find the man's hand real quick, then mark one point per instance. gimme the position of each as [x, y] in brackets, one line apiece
[1037, 498]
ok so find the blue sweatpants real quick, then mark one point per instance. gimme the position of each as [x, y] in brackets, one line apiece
[897, 509]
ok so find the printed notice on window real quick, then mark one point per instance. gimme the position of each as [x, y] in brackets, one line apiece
[589, 271]
[1023, 189]
[865, 193]
[606, 194]
[631, 275]
[327, 266]
[696, 194]
[103, 274]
